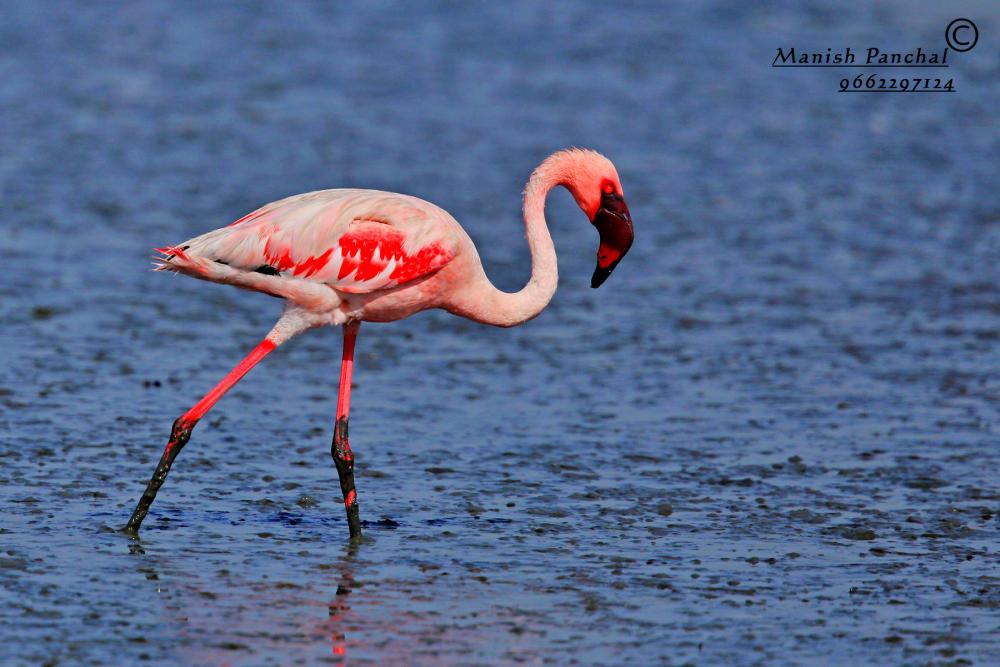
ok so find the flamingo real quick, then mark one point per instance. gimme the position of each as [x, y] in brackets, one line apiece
[342, 257]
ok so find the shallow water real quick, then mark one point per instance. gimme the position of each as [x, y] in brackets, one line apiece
[770, 438]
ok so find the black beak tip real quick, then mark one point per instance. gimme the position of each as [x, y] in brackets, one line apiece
[600, 275]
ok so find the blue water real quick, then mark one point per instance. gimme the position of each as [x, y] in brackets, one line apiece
[770, 438]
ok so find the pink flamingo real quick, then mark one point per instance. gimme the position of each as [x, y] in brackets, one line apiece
[341, 257]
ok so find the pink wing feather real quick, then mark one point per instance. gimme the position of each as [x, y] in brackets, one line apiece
[354, 240]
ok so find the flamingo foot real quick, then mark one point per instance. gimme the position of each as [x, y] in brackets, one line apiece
[343, 458]
[180, 433]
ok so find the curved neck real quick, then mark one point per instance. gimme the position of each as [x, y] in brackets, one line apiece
[504, 309]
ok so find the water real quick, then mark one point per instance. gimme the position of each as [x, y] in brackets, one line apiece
[770, 438]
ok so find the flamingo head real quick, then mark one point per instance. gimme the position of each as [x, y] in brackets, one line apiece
[594, 183]
[614, 223]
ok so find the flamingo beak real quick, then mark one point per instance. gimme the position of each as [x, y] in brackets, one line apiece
[614, 223]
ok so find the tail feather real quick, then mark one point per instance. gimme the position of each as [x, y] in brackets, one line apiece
[308, 294]
[168, 254]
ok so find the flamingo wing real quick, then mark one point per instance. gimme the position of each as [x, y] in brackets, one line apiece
[356, 241]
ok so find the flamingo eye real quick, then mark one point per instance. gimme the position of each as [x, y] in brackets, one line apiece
[608, 187]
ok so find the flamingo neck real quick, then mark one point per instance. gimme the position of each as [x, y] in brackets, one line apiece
[505, 309]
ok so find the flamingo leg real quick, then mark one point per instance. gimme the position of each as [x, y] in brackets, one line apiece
[181, 431]
[340, 449]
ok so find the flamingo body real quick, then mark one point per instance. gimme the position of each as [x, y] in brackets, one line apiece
[339, 253]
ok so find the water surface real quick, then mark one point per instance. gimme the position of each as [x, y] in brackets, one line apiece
[770, 438]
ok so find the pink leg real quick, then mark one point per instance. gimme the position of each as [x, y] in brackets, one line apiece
[181, 431]
[343, 458]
